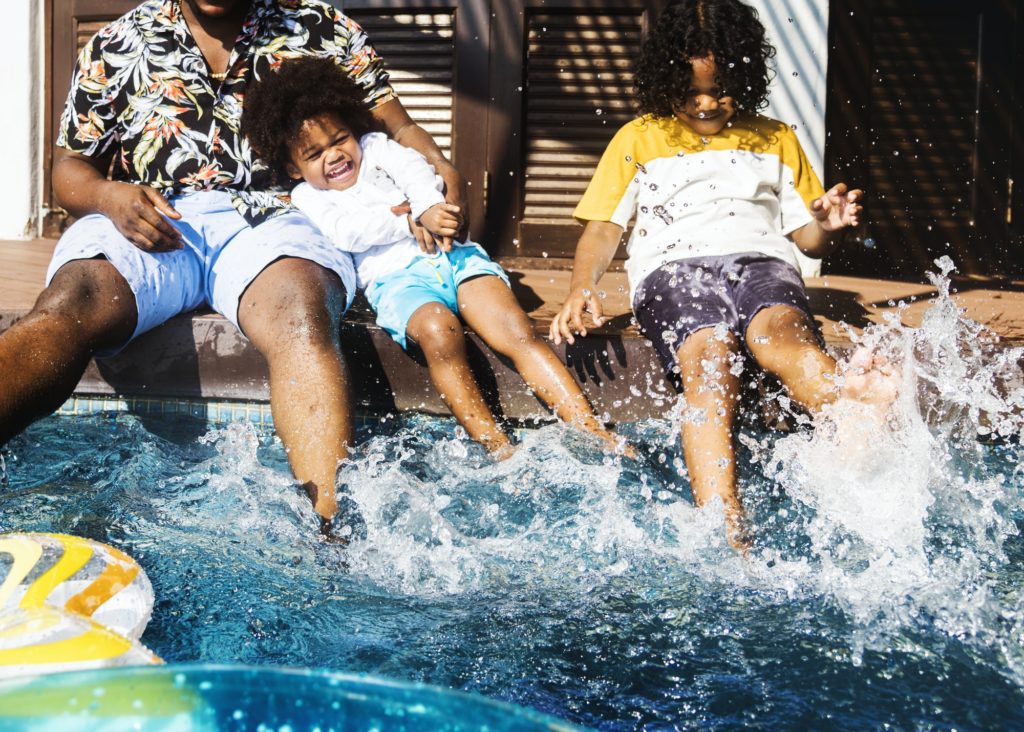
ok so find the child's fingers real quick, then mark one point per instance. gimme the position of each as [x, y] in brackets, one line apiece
[577, 317]
[560, 328]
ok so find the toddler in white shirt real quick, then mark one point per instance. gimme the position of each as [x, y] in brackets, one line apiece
[382, 203]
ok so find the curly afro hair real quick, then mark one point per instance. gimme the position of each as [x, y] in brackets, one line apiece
[727, 30]
[276, 107]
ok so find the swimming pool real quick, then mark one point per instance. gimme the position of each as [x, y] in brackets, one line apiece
[886, 586]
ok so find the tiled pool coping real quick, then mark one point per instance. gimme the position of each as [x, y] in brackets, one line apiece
[215, 412]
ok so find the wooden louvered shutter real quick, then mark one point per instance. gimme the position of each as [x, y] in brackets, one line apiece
[579, 91]
[921, 115]
[419, 50]
[576, 81]
[437, 56]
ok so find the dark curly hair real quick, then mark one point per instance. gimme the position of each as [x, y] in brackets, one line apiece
[728, 30]
[276, 107]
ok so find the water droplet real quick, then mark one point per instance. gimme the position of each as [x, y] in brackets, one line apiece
[598, 111]
[746, 59]
[869, 243]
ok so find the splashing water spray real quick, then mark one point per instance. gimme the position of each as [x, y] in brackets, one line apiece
[902, 513]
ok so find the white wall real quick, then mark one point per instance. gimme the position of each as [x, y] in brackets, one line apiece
[799, 31]
[21, 67]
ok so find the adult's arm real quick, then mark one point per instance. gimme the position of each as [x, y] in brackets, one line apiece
[401, 127]
[82, 188]
[594, 253]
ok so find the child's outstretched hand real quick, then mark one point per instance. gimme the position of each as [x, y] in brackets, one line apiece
[570, 318]
[838, 208]
[443, 221]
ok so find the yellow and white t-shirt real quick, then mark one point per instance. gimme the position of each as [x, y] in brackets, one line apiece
[742, 190]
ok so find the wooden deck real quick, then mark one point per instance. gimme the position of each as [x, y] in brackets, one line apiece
[200, 355]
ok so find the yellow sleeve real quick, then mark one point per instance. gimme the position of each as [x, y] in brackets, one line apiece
[799, 184]
[609, 196]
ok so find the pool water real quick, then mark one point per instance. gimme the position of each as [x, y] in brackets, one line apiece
[885, 585]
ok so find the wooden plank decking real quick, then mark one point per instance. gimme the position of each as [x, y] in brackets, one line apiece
[203, 356]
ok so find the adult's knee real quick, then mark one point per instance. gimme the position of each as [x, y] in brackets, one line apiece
[291, 301]
[93, 298]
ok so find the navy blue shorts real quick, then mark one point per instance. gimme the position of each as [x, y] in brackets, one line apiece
[682, 297]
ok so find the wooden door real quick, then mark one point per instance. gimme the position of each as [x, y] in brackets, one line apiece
[922, 113]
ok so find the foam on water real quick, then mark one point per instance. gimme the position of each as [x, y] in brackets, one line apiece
[587, 585]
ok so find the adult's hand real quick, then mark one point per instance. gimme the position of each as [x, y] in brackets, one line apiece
[456, 192]
[138, 212]
[443, 221]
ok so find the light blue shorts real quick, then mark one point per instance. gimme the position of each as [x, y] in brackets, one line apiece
[221, 256]
[395, 297]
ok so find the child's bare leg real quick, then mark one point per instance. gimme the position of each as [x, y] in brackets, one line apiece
[439, 334]
[489, 308]
[712, 395]
[781, 339]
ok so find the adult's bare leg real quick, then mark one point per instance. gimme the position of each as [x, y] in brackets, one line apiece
[438, 332]
[292, 313]
[87, 307]
[711, 391]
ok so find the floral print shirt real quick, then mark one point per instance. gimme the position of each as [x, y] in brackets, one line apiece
[143, 93]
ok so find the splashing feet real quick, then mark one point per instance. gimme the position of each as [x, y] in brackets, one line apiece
[870, 378]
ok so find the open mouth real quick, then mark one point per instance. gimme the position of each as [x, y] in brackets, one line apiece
[341, 171]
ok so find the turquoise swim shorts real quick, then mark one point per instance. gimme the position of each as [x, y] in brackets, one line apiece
[396, 296]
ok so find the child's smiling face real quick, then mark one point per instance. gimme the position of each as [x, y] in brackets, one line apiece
[705, 109]
[326, 154]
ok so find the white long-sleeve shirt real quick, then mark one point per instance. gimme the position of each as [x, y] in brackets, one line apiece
[359, 219]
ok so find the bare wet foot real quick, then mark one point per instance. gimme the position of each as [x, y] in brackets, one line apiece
[618, 445]
[503, 452]
[870, 378]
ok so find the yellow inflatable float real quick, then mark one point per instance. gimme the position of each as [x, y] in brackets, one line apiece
[70, 603]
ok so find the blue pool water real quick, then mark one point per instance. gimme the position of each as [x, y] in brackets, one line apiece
[885, 586]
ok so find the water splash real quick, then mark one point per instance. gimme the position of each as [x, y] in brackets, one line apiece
[905, 518]
[579, 583]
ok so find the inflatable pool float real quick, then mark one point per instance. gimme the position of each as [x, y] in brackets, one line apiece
[68, 603]
[227, 698]
[45, 640]
[77, 575]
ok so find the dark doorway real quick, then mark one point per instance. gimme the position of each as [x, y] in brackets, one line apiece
[924, 113]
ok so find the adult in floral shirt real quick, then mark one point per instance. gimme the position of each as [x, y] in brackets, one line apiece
[187, 217]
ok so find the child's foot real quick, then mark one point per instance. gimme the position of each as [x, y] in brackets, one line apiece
[870, 378]
[618, 445]
[502, 451]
